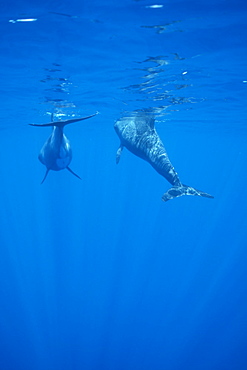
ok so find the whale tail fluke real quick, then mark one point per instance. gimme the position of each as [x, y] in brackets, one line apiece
[62, 123]
[178, 191]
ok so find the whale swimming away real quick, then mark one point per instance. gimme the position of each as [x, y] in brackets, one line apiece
[137, 133]
[56, 153]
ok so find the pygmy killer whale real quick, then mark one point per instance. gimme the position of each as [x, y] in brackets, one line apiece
[138, 134]
[56, 154]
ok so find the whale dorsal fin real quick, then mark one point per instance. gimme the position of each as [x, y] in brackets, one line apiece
[73, 173]
[146, 116]
[47, 171]
[151, 122]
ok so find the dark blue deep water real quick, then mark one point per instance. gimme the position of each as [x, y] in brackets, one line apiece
[99, 273]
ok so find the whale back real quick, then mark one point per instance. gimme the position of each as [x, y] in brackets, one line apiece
[56, 153]
[137, 133]
[137, 122]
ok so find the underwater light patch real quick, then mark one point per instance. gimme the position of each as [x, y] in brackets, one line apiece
[154, 6]
[23, 20]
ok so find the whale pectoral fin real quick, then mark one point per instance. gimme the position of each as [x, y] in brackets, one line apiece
[73, 173]
[178, 191]
[118, 155]
[47, 171]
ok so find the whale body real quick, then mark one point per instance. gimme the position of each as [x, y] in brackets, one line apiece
[56, 153]
[138, 134]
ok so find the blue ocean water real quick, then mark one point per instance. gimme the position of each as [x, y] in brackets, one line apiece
[99, 273]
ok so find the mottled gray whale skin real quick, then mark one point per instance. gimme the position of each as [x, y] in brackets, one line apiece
[137, 133]
[56, 153]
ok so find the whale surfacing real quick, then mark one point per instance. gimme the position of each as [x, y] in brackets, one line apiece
[138, 134]
[56, 153]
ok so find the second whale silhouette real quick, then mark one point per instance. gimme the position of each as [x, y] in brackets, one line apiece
[56, 153]
[137, 133]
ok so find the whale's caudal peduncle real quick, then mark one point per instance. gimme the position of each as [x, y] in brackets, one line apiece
[56, 153]
[137, 133]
